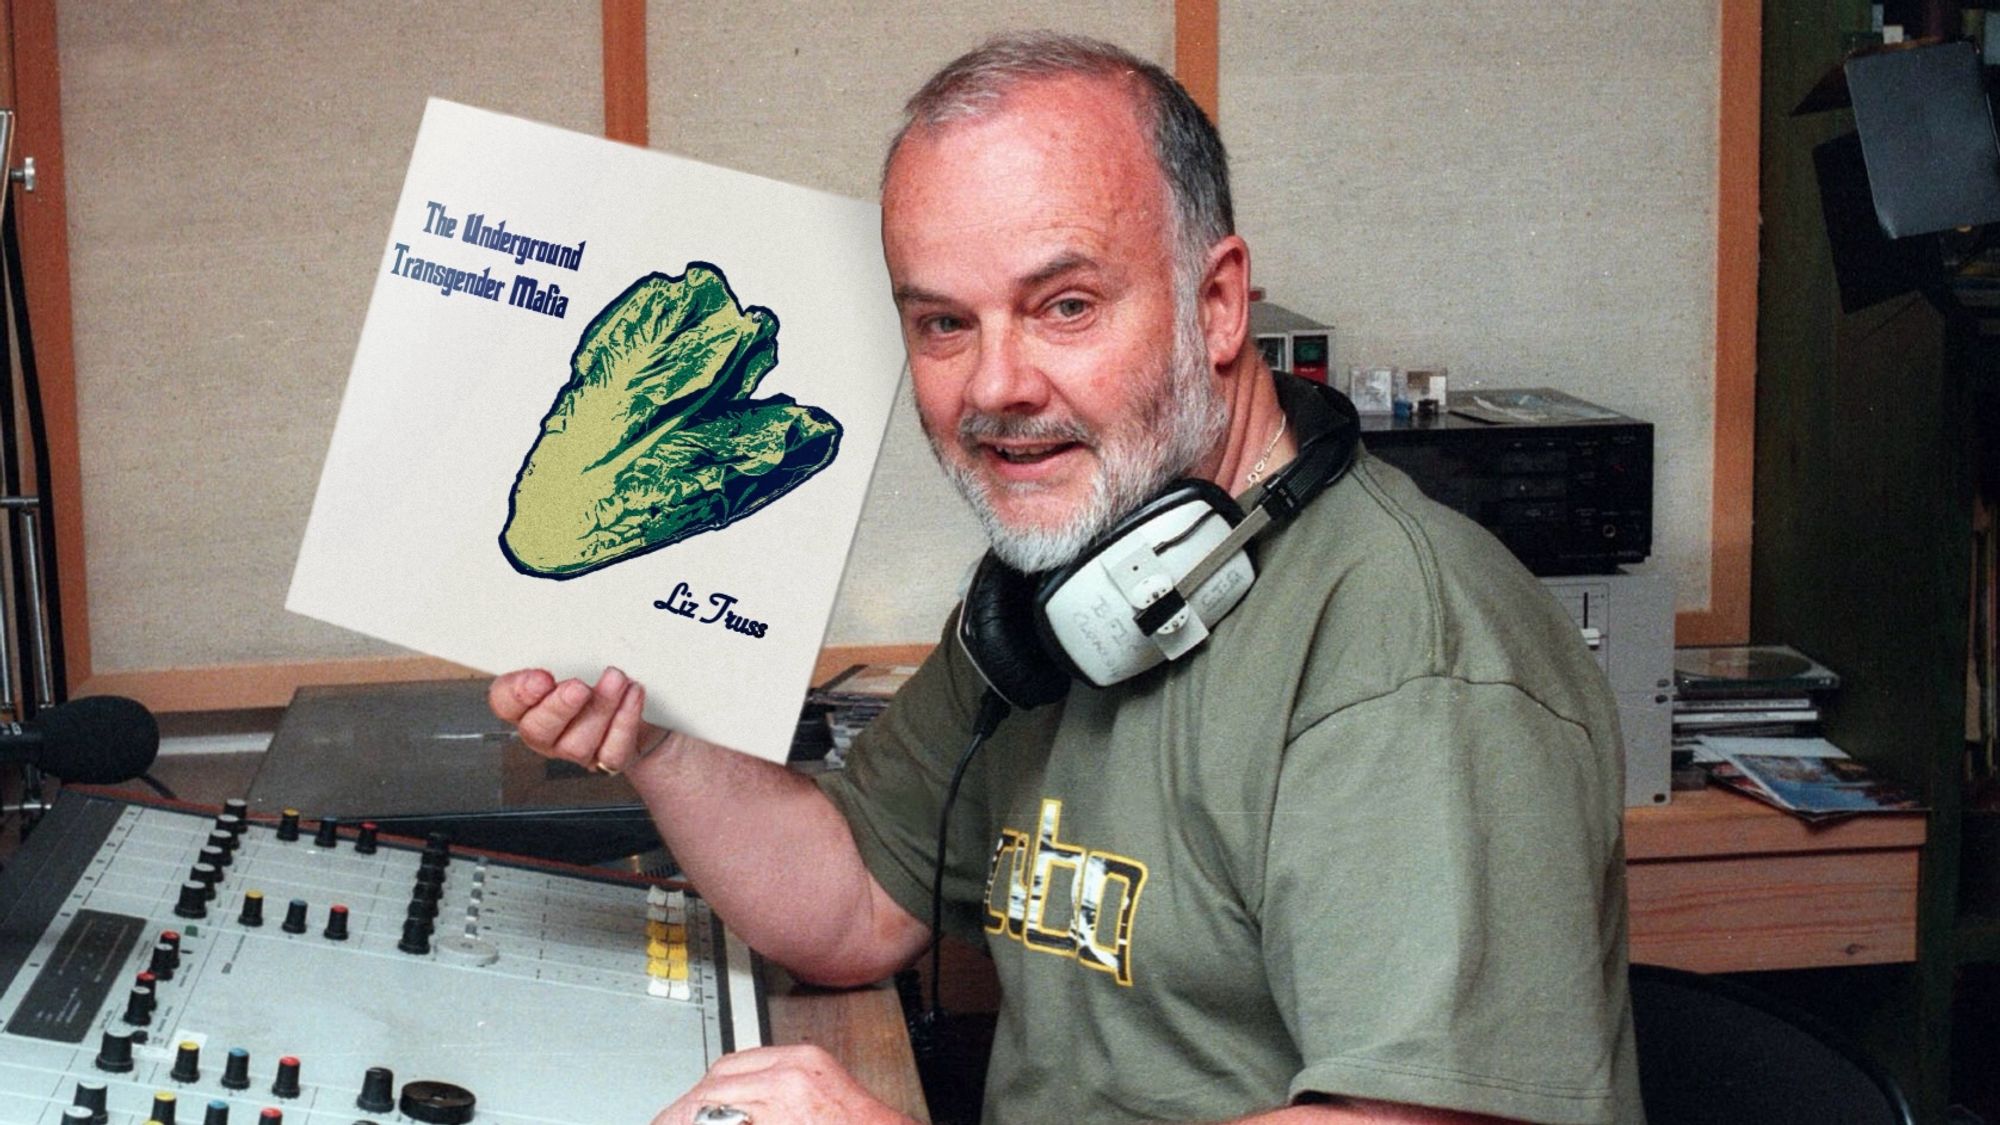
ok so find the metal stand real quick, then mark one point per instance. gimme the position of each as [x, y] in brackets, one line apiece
[31, 657]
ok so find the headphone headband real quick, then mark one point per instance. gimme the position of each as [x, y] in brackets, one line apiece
[1333, 438]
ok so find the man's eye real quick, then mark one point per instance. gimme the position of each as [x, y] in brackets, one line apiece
[1069, 308]
[940, 325]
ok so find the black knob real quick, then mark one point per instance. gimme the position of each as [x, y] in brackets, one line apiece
[287, 1085]
[187, 1063]
[430, 876]
[236, 807]
[424, 908]
[231, 823]
[365, 843]
[295, 917]
[163, 1108]
[439, 1102]
[328, 834]
[217, 1113]
[171, 937]
[208, 875]
[416, 936]
[438, 845]
[253, 909]
[79, 1116]
[271, 1115]
[378, 1090]
[288, 825]
[90, 1099]
[214, 853]
[139, 1005]
[236, 1069]
[336, 923]
[114, 1054]
[194, 900]
[166, 959]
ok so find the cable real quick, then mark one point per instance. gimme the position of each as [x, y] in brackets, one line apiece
[158, 786]
[992, 710]
[38, 439]
[28, 701]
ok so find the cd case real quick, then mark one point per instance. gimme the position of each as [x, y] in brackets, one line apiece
[1712, 671]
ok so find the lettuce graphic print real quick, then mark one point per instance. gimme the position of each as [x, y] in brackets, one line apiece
[655, 437]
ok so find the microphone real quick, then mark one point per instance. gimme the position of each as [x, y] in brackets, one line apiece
[96, 740]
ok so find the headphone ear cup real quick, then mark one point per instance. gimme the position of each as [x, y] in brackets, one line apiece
[996, 627]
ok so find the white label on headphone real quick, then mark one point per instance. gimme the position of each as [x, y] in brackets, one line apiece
[1092, 615]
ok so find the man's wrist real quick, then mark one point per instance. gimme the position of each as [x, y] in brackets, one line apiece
[657, 748]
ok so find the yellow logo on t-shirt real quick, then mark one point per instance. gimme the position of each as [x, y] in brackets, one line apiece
[1058, 896]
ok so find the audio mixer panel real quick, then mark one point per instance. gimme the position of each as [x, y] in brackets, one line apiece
[192, 967]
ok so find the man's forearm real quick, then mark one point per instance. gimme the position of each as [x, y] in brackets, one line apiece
[774, 857]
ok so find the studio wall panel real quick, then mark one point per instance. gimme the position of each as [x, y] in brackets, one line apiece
[1523, 192]
[232, 171]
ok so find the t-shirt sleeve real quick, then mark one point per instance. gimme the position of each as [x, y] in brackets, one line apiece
[1440, 920]
[894, 783]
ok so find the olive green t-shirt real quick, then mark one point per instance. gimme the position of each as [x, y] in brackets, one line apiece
[1366, 841]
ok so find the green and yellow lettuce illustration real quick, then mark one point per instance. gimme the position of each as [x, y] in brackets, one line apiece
[655, 437]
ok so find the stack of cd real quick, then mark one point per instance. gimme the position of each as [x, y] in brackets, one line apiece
[1772, 690]
[850, 701]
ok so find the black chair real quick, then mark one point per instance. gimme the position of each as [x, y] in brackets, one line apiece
[1713, 1052]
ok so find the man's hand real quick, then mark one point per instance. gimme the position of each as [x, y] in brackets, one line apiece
[783, 1086]
[597, 727]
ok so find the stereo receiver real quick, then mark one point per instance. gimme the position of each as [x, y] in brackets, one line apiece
[1566, 485]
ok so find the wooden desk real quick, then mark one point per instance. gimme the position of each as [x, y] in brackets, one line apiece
[1721, 883]
[862, 1027]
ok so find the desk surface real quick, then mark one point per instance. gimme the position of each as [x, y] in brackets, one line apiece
[862, 1027]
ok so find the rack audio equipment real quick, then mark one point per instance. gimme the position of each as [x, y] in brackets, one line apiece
[167, 964]
[1566, 485]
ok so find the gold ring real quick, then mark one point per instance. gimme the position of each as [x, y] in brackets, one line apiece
[607, 771]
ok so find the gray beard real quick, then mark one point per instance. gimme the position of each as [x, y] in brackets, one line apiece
[1170, 434]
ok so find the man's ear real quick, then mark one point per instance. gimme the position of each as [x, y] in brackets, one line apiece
[1224, 301]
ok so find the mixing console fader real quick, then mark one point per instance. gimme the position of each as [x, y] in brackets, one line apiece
[161, 964]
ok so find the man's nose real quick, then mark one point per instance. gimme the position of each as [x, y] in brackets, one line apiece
[1006, 379]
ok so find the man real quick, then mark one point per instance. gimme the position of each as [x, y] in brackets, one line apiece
[1357, 858]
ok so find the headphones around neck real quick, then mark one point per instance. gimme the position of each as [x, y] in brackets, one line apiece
[1152, 587]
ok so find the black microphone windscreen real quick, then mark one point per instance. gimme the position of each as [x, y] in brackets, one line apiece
[98, 739]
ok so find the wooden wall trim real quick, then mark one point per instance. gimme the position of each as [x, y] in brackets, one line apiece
[1198, 52]
[838, 658]
[624, 34]
[226, 687]
[44, 224]
[1727, 618]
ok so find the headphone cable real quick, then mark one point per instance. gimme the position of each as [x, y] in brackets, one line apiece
[992, 710]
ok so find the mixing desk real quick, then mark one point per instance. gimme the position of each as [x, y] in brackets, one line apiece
[161, 964]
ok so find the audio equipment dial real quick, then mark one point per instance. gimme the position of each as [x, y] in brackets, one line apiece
[440, 1103]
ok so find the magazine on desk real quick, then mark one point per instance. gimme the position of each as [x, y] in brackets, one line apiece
[1808, 777]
